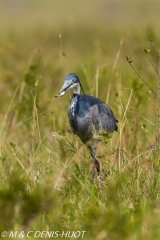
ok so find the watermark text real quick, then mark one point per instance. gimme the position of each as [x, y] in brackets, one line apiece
[43, 234]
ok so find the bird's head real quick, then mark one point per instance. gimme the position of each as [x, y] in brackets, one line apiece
[71, 80]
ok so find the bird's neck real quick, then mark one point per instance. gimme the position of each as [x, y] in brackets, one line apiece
[72, 111]
[76, 89]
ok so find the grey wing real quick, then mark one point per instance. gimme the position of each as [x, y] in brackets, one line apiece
[102, 117]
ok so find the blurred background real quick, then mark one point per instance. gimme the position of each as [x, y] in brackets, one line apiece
[86, 27]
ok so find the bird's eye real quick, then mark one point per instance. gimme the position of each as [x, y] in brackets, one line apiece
[73, 80]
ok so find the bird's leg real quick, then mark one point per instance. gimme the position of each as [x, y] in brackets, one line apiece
[95, 164]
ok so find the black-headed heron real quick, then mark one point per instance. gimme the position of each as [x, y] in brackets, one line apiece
[87, 114]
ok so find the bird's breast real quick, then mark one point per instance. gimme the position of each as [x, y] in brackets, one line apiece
[79, 119]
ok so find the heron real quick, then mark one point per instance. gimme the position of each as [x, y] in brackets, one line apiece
[87, 114]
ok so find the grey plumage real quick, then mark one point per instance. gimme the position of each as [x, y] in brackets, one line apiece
[85, 113]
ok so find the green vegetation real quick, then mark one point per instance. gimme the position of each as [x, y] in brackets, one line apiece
[44, 169]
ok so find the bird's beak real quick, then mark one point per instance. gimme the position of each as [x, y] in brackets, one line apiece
[66, 86]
